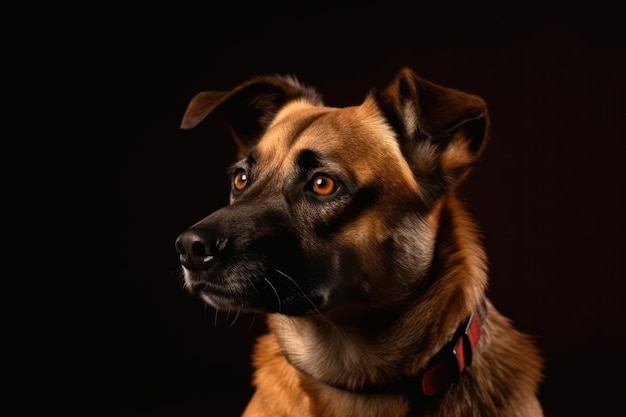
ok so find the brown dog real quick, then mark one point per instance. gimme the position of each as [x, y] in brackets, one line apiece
[345, 229]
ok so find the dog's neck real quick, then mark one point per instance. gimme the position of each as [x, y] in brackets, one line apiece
[442, 370]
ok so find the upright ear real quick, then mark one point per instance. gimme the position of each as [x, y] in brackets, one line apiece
[250, 106]
[440, 130]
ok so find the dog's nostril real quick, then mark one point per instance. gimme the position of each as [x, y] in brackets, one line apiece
[199, 250]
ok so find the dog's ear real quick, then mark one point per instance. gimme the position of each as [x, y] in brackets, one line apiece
[250, 106]
[440, 130]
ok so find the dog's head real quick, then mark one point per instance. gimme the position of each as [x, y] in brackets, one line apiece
[329, 206]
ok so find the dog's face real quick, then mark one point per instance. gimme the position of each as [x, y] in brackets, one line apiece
[330, 207]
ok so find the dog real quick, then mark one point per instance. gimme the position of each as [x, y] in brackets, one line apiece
[345, 231]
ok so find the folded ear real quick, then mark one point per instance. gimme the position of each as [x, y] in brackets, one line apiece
[250, 106]
[440, 130]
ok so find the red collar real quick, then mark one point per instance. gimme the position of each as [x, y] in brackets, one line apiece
[447, 366]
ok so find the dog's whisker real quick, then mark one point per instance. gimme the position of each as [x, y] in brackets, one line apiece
[252, 322]
[235, 319]
[298, 288]
[275, 292]
[180, 276]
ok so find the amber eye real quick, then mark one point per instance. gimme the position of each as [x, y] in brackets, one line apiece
[323, 185]
[240, 180]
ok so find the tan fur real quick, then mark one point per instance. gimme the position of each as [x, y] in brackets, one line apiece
[433, 134]
[327, 350]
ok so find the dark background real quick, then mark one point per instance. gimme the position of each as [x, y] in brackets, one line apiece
[101, 181]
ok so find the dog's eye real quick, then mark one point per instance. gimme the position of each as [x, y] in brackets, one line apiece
[240, 180]
[323, 185]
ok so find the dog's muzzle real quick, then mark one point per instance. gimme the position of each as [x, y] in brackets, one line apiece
[252, 259]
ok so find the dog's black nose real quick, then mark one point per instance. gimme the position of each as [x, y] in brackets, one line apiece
[197, 249]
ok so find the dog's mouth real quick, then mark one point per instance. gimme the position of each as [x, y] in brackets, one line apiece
[267, 293]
